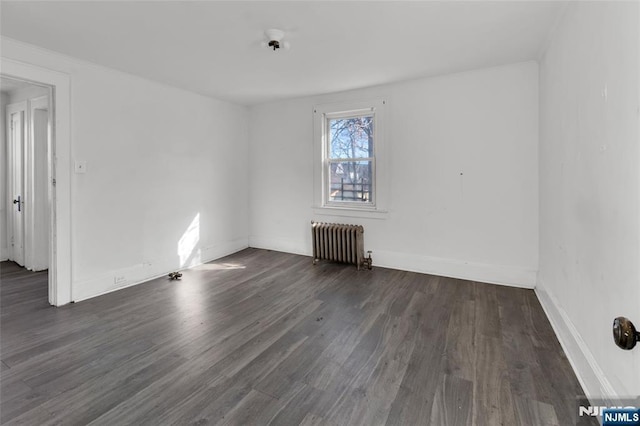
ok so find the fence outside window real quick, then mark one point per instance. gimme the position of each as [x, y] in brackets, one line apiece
[350, 191]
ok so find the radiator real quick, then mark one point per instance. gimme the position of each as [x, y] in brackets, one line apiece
[340, 243]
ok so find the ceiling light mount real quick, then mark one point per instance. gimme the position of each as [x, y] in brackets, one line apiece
[274, 39]
[275, 44]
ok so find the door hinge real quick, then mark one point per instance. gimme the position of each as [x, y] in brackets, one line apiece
[53, 182]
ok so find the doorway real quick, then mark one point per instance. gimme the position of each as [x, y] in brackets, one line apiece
[27, 189]
[60, 262]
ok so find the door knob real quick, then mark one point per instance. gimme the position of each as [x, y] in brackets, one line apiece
[624, 333]
[18, 202]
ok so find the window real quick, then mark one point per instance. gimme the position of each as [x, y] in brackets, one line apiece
[349, 146]
[350, 160]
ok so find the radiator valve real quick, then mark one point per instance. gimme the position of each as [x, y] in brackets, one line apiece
[368, 261]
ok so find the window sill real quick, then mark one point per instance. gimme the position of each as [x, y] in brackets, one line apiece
[351, 212]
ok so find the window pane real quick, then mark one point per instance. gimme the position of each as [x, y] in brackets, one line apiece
[351, 181]
[351, 137]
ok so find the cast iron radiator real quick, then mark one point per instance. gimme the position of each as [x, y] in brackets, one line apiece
[340, 243]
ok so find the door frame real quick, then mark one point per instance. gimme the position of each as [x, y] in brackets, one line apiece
[59, 162]
[33, 232]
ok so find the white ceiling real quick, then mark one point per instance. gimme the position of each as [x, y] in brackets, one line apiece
[214, 48]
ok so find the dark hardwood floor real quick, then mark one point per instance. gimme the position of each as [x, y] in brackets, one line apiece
[262, 337]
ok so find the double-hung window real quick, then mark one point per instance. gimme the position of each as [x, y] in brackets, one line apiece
[350, 143]
[350, 160]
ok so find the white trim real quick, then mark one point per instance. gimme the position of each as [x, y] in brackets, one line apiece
[141, 273]
[285, 245]
[348, 212]
[347, 113]
[591, 377]
[60, 267]
[512, 276]
[321, 112]
[28, 190]
[34, 239]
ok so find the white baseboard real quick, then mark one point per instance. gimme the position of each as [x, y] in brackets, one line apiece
[137, 274]
[280, 244]
[593, 381]
[454, 268]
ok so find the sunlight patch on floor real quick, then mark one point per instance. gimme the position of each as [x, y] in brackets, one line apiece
[219, 267]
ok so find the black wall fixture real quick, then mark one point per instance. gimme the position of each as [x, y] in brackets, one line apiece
[624, 333]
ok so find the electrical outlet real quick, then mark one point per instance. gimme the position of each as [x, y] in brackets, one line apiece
[121, 279]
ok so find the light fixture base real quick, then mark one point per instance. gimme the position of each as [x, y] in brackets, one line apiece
[274, 39]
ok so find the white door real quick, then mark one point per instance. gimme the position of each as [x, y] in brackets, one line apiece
[16, 144]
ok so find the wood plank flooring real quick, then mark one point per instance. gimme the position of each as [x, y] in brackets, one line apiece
[262, 337]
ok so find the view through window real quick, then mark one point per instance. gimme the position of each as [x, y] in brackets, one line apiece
[350, 158]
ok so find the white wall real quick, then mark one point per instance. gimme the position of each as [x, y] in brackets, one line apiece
[482, 225]
[166, 183]
[589, 172]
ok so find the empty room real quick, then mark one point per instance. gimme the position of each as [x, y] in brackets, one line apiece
[320, 212]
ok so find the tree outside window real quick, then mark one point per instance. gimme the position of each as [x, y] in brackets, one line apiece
[351, 160]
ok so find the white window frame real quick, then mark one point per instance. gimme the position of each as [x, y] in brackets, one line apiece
[322, 202]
